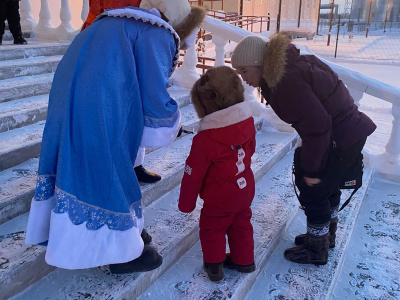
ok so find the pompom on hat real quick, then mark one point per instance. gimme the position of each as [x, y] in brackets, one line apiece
[249, 52]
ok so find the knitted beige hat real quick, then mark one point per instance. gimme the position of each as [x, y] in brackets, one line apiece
[249, 52]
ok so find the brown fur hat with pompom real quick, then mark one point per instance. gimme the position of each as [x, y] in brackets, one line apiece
[179, 14]
[217, 89]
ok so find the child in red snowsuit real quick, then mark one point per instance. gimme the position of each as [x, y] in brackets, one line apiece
[218, 168]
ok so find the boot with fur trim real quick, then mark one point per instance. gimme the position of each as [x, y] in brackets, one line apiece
[301, 238]
[315, 248]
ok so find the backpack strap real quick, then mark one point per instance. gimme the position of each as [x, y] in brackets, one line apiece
[294, 187]
[348, 200]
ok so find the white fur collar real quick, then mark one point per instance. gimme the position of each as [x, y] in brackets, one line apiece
[226, 117]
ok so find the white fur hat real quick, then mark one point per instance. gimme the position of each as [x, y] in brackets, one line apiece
[175, 10]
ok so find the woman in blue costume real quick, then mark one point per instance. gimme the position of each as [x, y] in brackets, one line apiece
[109, 97]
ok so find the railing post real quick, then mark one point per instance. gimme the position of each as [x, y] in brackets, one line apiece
[186, 75]
[388, 163]
[65, 28]
[356, 94]
[393, 146]
[85, 10]
[44, 29]
[27, 21]
[219, 43]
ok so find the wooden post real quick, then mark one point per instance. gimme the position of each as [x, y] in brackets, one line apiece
[298, 22]
[278, 21]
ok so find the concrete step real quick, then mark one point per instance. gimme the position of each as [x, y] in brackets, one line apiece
[33, 49]
[24, 87]
[17, 188]
[173, 234]
[30, 66]
[20, 144]
[282, 279]
[23, 112]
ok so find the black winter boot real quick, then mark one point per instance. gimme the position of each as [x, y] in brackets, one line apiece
[301, 238]
[214, 271]
[1, 40]
[314, 250]
[149, 260]
[146, 237]
[19, 40]
[228, 263]
[145, 176]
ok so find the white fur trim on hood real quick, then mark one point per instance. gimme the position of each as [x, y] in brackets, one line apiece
[175, 10]
[226, 117]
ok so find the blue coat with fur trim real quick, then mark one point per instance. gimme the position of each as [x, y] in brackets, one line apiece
[109, 96]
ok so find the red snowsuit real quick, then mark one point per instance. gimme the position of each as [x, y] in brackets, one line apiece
[218, 168]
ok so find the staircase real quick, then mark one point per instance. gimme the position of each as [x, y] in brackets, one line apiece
[26, 74]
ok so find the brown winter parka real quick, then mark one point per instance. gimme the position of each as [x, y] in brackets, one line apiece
[306, 93]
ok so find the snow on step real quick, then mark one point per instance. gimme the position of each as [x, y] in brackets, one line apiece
[189, 117]
[371, 267]
[13, 270]
[180, 93]
[273, 208]
[282, 279]
[22, 112]
[17, 189]
[23, 87]
[30, 66]
[20, 144]
[34, 48]
[173, 233]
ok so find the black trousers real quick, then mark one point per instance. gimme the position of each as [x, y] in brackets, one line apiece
[9, 10]
[320, 199]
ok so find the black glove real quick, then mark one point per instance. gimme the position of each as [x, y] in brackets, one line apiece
[181, 130]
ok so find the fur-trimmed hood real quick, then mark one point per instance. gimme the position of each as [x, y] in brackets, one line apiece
[276, 58]
[226, 117]
[178, 13]
[190, 23]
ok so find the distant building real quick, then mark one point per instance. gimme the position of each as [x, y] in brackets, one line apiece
[289, 8]
[380, 10]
